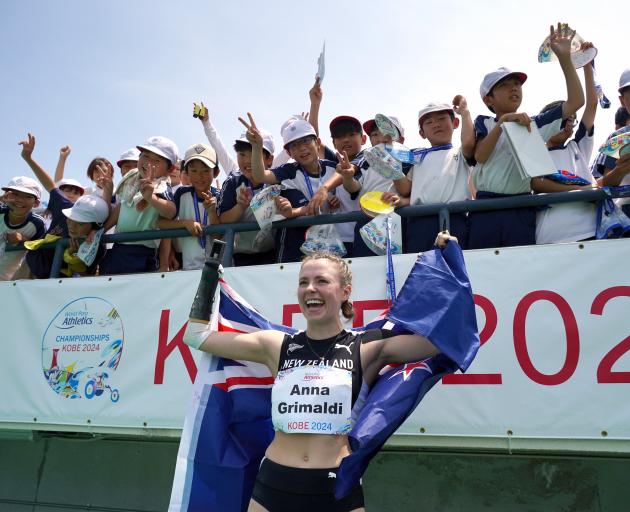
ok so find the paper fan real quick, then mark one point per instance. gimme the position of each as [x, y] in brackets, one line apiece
[579, 57]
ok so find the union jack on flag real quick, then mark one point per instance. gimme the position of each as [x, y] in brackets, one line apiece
[228, 425]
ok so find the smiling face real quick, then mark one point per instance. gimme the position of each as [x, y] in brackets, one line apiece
[350, 142]
[438, 127]
[304, 151]
[20, 203]
[321, 291]
[506, 96]
[152, 165]
[200, 175]
[244, 161]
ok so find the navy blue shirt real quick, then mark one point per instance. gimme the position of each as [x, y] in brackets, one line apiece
[57, 202]
[37, 222]
[188, 190]
[229, 191]
[289, 171]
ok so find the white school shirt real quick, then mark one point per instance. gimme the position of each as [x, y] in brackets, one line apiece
[442, 177]
[346, 229]
[292, 177]
[500, 174]
[370, 181]
[569, 222]
[193, 254]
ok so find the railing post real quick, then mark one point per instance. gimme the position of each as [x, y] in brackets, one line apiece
[445, 220]
[229, 247]
[60, 246]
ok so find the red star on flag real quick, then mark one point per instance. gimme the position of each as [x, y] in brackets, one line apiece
[410, 367]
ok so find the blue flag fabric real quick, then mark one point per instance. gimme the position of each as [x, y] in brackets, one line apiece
[391, 400]
[436, 302]
[228, 427]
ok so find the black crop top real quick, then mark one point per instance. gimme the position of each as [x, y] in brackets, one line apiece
[340, 351]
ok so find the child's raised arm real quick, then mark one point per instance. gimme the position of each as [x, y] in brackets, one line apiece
[315, 95]
[260, 174]
[588, 116]
[28, 146]
[460, 107]
[227, 162]
[560, 42]
[64, 152]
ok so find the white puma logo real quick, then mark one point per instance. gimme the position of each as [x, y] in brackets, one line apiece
[293, 346]
[347, 347]
[332, 475]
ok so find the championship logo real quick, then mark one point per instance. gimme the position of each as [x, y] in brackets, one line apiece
[81, 349]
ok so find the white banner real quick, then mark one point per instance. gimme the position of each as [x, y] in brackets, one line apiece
[99, 353]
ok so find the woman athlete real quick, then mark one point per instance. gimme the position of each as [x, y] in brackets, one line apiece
[318, 374]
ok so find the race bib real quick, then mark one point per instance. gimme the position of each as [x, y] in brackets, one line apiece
[312, 400]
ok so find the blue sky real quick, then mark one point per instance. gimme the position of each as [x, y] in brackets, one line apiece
[104, 76]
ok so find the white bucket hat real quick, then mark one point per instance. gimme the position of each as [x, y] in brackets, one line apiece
[88, 209]
[26, 185]
[163, 147]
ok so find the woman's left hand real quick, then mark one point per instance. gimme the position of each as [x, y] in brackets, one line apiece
[443, 238]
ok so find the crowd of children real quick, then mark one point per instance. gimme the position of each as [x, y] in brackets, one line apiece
[157, 190]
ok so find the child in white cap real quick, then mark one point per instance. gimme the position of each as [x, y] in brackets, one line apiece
[617, 171]
[301, 179]
[496, 173]
[143, 195]
[18, 223]
[128, 160]
[196, 204]
[442, 172]
[85, 227]
[71, 188]
[238, 190]
[624, 89]
[570, 222]
[377, 137]
[40, 258]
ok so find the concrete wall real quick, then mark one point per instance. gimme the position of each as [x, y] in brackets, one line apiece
[60, 473]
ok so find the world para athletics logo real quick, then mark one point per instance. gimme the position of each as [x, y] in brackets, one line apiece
[81, 349]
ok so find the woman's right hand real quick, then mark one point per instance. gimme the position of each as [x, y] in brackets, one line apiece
[443, 238]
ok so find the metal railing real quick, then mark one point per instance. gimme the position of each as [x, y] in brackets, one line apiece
[442, 209]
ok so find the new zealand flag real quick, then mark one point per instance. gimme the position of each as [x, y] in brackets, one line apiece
[228, 425]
